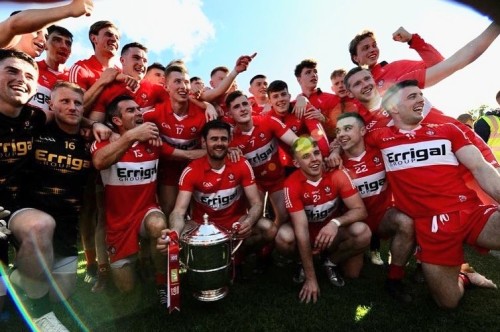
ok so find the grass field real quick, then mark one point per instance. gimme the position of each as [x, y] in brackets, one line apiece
[268, 302]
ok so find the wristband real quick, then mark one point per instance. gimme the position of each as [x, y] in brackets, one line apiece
[336, 222]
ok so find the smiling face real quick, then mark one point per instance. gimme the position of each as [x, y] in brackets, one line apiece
[18, 81]
[406, 106]
[106, 41]
[350, 132]
[134, 62]
[307, 157]
[33, 43]
[178, 86]
[130, 116]
[367, 52]
[258, 88]
[361, 86]
[280, 101]
[217, 142]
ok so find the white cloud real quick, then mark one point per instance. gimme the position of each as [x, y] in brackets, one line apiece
[179, 26]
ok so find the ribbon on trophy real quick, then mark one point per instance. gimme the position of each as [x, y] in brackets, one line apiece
[173, 280]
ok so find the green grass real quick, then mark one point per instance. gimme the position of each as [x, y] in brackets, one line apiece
[269, 302]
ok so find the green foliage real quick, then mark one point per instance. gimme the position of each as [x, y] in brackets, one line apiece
[476, 113]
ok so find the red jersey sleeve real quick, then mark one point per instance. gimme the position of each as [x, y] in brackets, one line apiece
[427, 52]
[186, 179]
[344, 183]
[97, 145]
[166, 150]
[278, 127]
[292, 190]
[247, 178]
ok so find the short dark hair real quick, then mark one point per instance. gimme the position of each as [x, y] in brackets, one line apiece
[194, 79]
[128, 46]
[256, 77]
[307, 63]
[465, 117]
[394, 89]
[112, 108]
[351, 72]
[155, 65]
[353, 45]
[11, 53]
[498, 97]
[220, 68]
[215, 124]
[232, 96]
[97, 26]
[276, 86]
[355, 115]
[60, 30]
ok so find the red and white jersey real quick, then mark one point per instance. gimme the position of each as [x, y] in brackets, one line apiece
[218, 193]
[257, 109]
[181, 132]
[386, 74]
[380, 118]
[301, 126]
[368, 175]
[260, 146]
[86, 72]
[321, 199]
[328, 104]
[47, 78]
[146, 95]
[423, 170]
[130, 184]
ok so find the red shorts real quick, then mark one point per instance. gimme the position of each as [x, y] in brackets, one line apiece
[374, 219]
[125, 242]
[441, 237]
[270, 185]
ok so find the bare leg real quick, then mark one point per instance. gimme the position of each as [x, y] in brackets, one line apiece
[444, 284]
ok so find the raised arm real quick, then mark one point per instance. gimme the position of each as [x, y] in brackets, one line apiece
[464, 56]
[426, 51]
[31, 20]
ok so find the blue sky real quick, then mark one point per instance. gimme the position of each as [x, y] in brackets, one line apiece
[283, 32]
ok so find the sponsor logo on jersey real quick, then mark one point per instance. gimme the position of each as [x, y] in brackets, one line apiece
[182, 144]
[15, 149]
[220, 199]
[263, 154]
[321, 212]
[130, 173]
[61, 161]
[371, 185]
[428, 153]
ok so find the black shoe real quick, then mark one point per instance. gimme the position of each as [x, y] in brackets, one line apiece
[397, 291]
[418, 274]
[333, 274]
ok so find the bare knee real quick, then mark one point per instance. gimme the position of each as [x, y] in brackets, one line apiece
[33, 227]
[155, 222]
[360, 234]
[285, 239]
[267, 228]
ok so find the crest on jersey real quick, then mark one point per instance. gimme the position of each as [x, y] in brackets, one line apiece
[193, 129]
[231, 177]
[376, 160]
[261, 135]
[380, 83]
[327, 189]
[430, 132]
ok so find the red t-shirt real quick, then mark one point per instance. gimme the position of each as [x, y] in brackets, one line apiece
[47, 78]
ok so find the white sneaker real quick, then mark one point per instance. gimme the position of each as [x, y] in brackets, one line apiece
[50, 323]
[375, 258]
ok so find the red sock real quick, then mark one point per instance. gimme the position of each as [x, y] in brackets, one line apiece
[160, 278]
[396, 272]
[90, 256]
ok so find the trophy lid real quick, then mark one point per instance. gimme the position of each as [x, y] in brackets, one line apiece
[205, 234]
